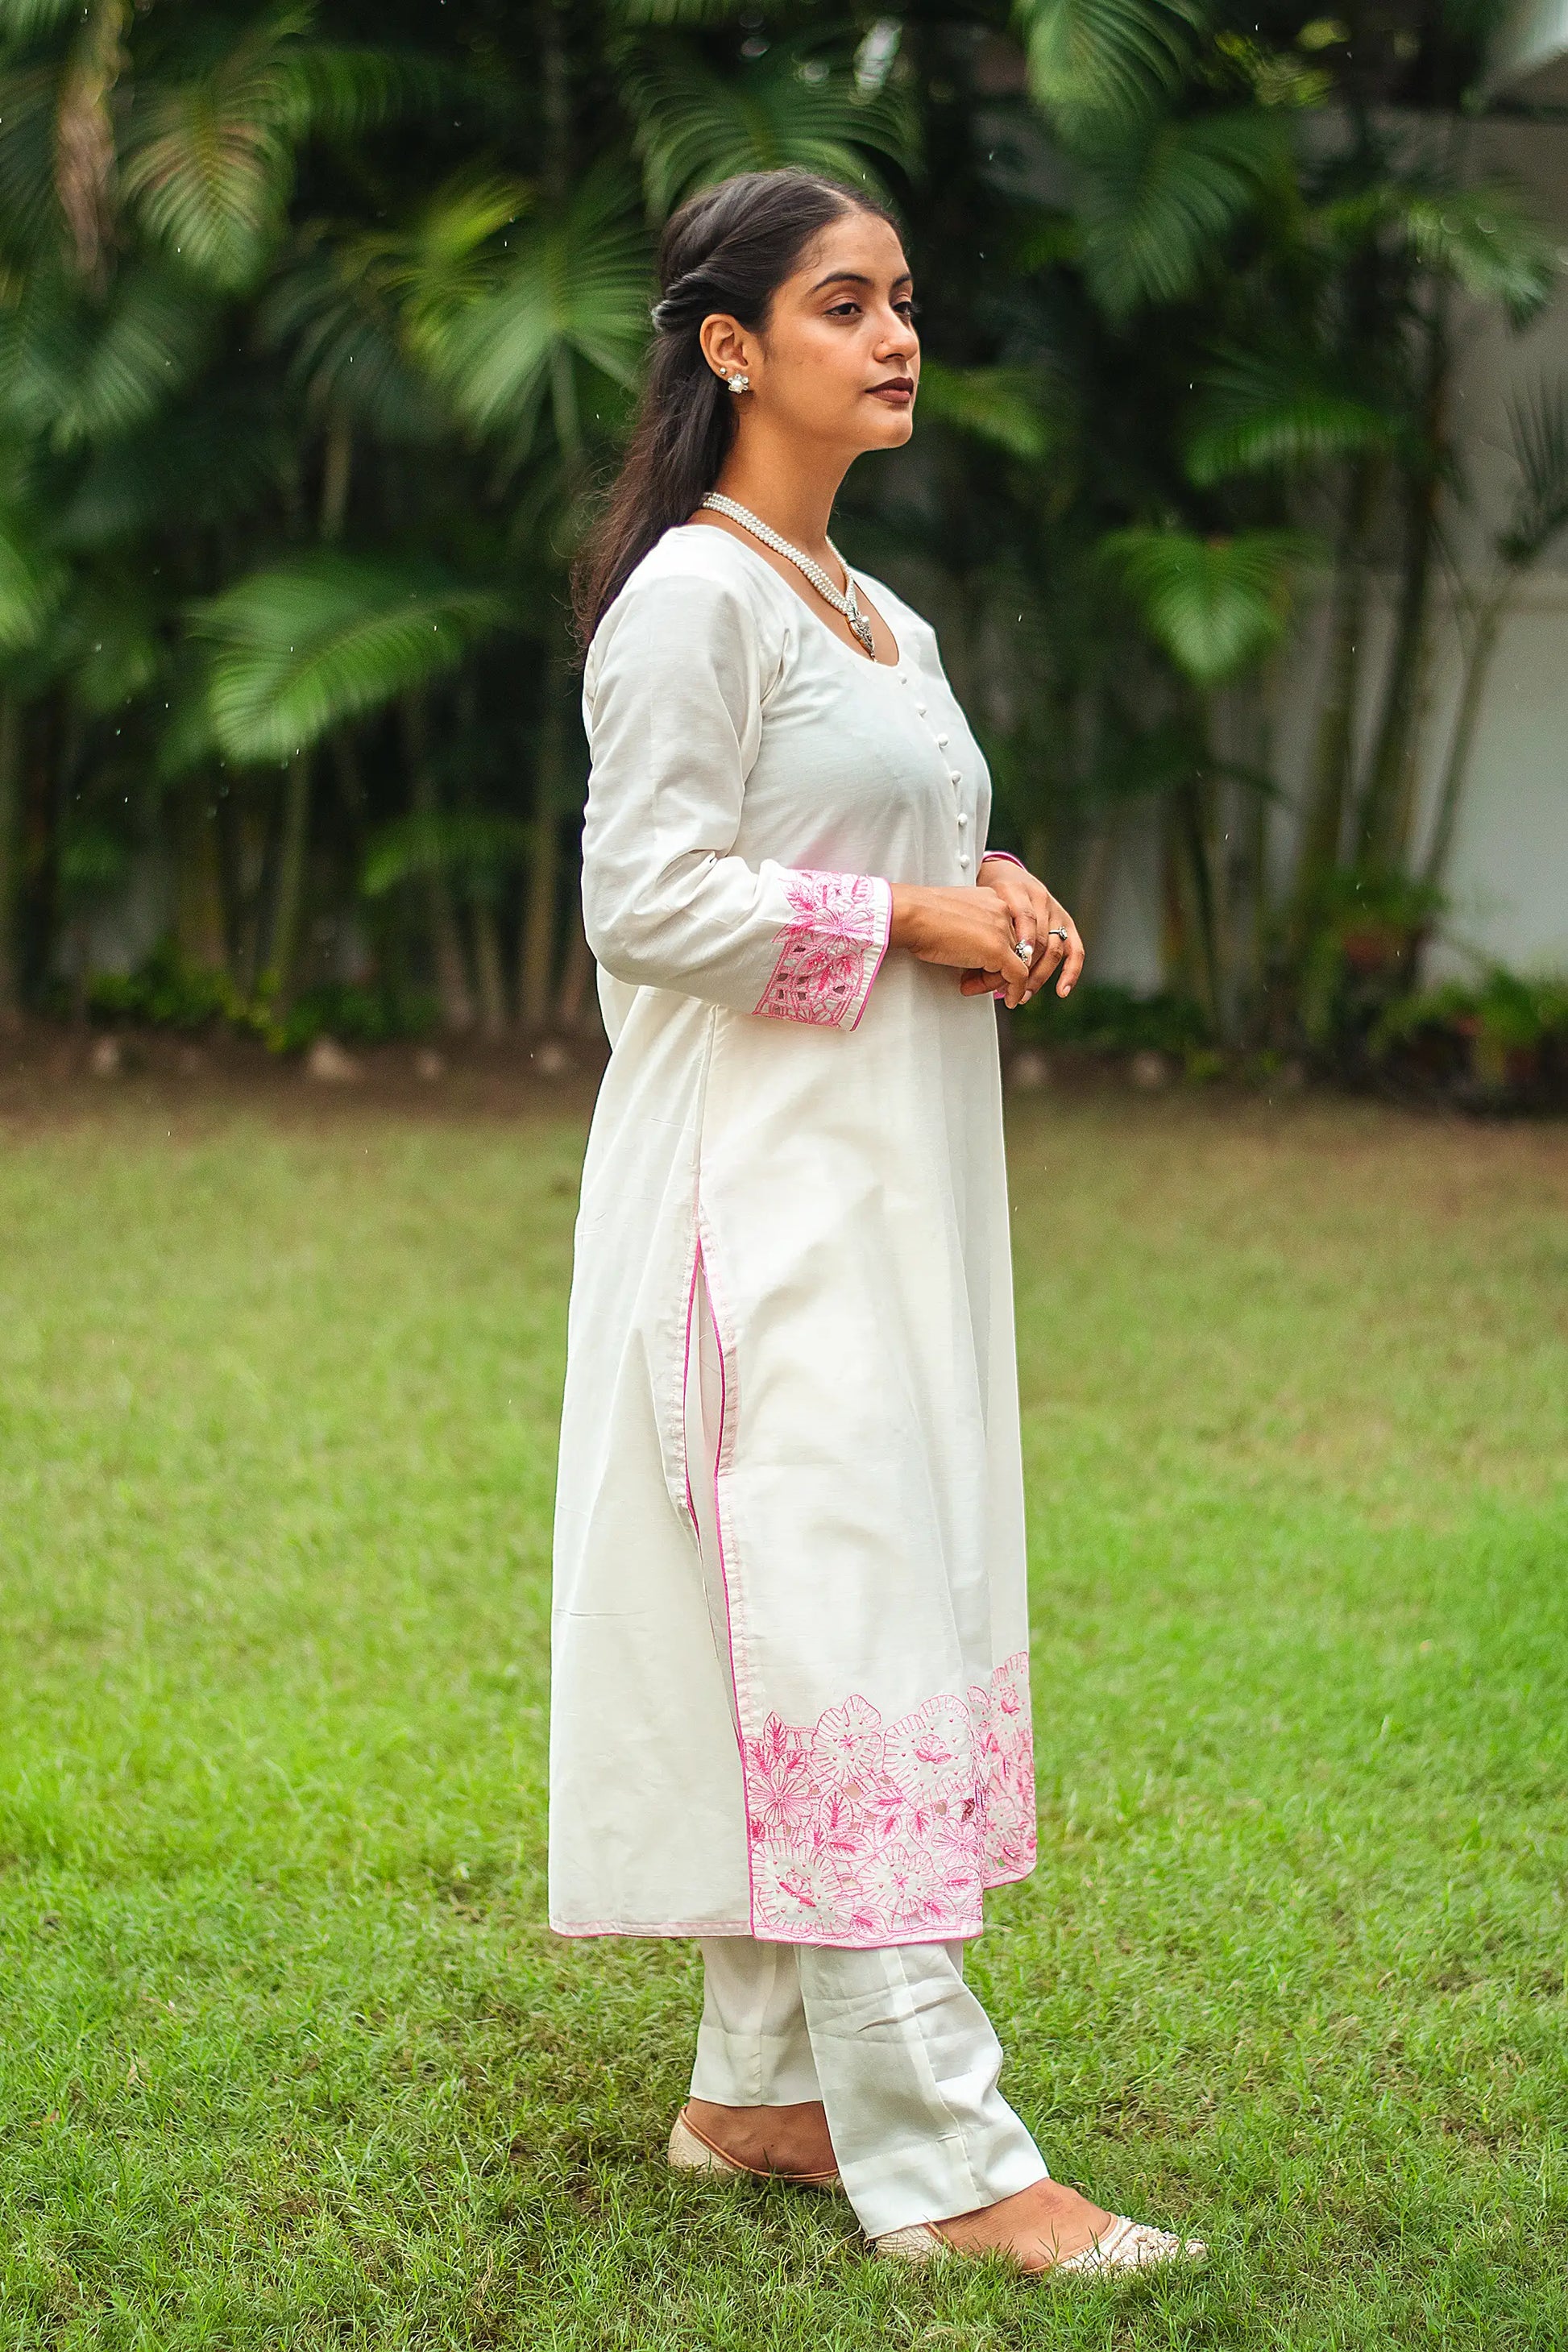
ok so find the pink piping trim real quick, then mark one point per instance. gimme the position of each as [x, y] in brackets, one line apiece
[886, 902]
[685, 1387]
[637, 1928]
[742, 1709]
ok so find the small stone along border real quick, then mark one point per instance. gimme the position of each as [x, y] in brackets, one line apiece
[52, 1053]
[1033, 1069]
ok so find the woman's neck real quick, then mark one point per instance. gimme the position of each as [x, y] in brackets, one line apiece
[796, 501]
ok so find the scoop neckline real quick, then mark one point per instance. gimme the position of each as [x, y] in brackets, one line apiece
[711, 530]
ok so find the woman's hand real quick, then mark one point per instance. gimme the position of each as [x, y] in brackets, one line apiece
[1033, 914]
[968, 926]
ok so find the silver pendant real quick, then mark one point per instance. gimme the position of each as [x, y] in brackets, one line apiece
[862, 628]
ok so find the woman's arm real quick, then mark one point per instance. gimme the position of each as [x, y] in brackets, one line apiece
[674, 717]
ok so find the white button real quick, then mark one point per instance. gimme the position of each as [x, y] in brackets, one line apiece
[942, 742]
[964, 816]
[921, 710]
[964, 861]
[903, 678]
[954, 777]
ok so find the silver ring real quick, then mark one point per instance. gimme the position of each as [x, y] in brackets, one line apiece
[1056, 932]
[1023, 948]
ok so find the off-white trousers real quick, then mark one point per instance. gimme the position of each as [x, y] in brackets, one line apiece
[892, 2042]
[898, 2050]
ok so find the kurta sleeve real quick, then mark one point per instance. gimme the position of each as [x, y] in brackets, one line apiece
[673, 707]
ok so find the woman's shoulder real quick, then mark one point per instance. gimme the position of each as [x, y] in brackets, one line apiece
[702, 573]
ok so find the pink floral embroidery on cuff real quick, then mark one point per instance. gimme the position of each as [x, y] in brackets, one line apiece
[862, 1829]
[830, 954]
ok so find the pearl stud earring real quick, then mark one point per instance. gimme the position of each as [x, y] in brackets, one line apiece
[739, 383]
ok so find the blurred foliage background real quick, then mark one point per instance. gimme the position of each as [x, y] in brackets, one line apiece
[320, 324]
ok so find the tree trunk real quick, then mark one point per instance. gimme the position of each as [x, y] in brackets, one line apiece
[1195, 814]
[289, 906]
[10, 860]
[201, 930]
[1456, 768]
[337, 473]
[445, 940]
[488, 967]
[85, 159]
[536, 961]
[1329, 793]
[1094, 882]
[577, 1006]
[1388, 801]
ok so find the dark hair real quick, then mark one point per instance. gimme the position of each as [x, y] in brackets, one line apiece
[728, 249]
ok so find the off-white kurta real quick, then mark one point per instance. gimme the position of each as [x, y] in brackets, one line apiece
[790, 1641]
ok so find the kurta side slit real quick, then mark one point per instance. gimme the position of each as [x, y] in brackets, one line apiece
[789, 1693]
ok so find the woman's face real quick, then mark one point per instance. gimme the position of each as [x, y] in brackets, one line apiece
[840, 359]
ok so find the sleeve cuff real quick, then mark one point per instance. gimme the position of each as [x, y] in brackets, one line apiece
[1003, 852]
[831, 950]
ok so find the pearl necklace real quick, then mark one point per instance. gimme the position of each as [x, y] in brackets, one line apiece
[813, 569]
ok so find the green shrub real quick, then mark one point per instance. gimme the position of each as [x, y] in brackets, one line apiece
[1503, 1027]
[1101, 1016]
[168, 993]
[356, 1015]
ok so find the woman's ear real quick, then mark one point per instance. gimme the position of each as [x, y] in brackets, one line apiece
[724, 344]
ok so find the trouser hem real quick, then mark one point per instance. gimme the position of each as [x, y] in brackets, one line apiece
[753, 2070]
[939, 2179]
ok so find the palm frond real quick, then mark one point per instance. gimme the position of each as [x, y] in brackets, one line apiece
[32, 583]
[210, 161]
[1006, 408]
[74, 371]
[1105, 57]
[442, 841]
[340, 92]
[1159, 196]
[567, 289]
[1537, 432]
[679, 12]
[1215, 605]
[303, 646]
[1279, 412]
[696, 125]
[30, 207]
[28, 20]
[107, 640]
[1485, 238]
[206, 460]
[335, 309]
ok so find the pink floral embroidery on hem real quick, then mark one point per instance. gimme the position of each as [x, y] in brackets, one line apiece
[861, 1830]
[829, 955]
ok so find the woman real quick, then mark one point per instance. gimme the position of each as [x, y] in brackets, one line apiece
[790, 1665]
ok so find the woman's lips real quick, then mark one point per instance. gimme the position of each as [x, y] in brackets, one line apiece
[897, 396]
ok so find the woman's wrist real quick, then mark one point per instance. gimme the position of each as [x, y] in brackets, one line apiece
[907, 926]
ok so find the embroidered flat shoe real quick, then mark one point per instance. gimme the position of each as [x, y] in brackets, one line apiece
[1125, 2246]
[690, 2152]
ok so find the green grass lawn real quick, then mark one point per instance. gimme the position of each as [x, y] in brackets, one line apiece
[290, 2058]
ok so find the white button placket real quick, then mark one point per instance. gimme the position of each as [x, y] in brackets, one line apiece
[955, 777]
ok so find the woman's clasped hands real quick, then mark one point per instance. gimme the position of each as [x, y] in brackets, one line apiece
[1006, 933]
